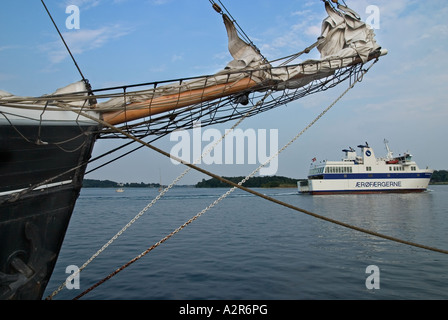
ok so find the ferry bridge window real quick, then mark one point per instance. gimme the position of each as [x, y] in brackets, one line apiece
[337, 170]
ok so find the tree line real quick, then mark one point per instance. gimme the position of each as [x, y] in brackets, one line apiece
[90, 183]
[255, 182]
[439, 177]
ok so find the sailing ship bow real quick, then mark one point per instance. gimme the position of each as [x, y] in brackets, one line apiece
[345, 45]
[47, 141]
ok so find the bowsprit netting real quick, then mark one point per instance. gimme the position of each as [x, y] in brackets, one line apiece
[247, 103]
[248, 85]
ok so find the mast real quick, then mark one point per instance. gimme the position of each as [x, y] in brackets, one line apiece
[389, 153]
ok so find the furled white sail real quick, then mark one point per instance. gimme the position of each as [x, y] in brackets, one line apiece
[344, 35]
[345, 41]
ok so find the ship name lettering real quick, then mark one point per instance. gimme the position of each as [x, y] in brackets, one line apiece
[378, 184]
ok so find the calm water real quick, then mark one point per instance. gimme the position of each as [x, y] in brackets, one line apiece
[249, 248]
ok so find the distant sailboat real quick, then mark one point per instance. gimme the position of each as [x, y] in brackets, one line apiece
[160, 184]
[120, 189]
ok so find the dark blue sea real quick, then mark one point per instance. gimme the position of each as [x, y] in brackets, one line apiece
[247, 248]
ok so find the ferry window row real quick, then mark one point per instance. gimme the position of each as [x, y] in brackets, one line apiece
[338, 170]
[349, 169]
[317, 170]
[395, 168]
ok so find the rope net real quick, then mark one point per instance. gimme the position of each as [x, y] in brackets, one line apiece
[158, 108]
[248, 102]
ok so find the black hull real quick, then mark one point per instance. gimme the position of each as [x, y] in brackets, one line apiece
[33, 222]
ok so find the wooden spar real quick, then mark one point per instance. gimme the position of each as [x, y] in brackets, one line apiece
[150, 107]
[170, 102]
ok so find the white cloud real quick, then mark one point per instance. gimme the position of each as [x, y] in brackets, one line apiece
[85, 4]
[82, 40]
[177, 57]
[304, 29]
[8, 47]
[88, 4]
[159, 2]
[314, 31]
[81, 4]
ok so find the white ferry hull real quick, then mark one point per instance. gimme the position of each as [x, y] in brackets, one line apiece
[363, 186]
[366, 174]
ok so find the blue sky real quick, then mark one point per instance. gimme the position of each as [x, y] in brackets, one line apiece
[403, 98]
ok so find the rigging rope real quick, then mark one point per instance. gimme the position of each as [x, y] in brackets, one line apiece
[63, 40]
[193, 166]
[158, 197]
[239, 186]
[87, 83]
[243, 34]
[215, 112]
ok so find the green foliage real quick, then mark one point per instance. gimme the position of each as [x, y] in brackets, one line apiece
[255, 182]
[439, 177]
[89, 183]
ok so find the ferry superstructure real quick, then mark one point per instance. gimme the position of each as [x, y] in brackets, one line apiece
[366, 173]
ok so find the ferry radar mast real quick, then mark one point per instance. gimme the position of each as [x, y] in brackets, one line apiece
[389, 153]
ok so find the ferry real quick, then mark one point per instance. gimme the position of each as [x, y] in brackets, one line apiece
[366, 173]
